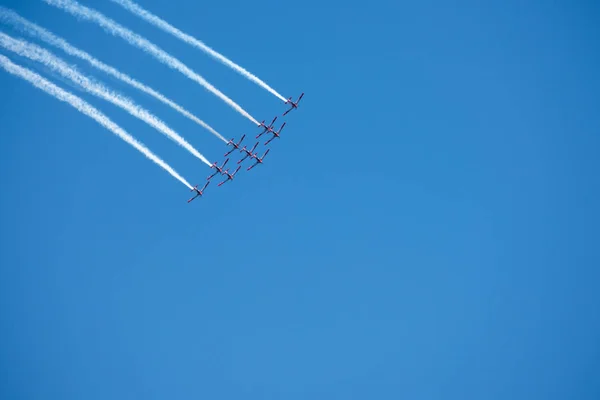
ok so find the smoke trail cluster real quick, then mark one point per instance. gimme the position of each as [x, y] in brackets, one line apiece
[136, 40]
[38, 32]
[85, 108]
[43, 56]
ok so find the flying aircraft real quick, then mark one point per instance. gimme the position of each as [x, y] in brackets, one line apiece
[249, 153]
[275, 134]
[258, 160]
[230, 176]
[198, 192]
[235, 145]
[292, 104]
[219, 169]
[268, 128]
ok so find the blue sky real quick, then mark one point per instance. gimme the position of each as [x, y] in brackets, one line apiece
[426, 227]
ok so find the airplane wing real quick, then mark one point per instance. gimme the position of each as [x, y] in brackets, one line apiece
[300, 98]
[252, 166]
[242, 159]
[190, 200]
[236, 171]
[264, 155]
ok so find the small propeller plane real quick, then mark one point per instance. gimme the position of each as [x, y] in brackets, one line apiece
[198, 192]
[268, 128]
[249, 153]
[275, 134]
[219, 169]
[236, 146]
[292, 104]
[258, 160]
[230, 176]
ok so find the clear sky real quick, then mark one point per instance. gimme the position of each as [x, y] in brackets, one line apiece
[426, 227]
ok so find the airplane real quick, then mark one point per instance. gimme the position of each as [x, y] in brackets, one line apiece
[235, 145]
[294, 105]
[198, 192]
[275, 134]
[267, 128]
[258, 160]
[249, 153]
[229, 176]
[219, 169]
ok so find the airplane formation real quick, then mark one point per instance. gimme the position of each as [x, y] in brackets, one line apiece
[249, 153]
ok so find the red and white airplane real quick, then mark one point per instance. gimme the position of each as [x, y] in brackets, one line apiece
[268, 128]
[234, 144]
[275, 134]
[198, 192]
[219, 169]
[229, 176]
[249, 153]
[258, 160]
[293, 105]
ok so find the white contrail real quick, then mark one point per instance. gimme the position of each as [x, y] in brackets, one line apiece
[86, 109]
[36, 53]
[37, 31]
[165, 26]
[134, 39]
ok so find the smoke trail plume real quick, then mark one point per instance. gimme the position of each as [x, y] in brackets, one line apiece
[165, 26]
[36, 31]
[136, 40]
[36, 53]
[85, 108]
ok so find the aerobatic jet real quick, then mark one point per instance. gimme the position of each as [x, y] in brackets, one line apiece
[275, 134]
[292, 104]
[258, 160]
[249, 153]
[268, 128]
[234, 144]
[198, 192]
[219, 169]
[229, 176]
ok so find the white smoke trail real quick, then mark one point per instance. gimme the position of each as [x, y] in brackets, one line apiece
[37, 31]
[85, 108]
[36, 53]
[165, 26]
[134, 39]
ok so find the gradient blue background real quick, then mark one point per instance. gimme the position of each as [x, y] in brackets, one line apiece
[426, 229]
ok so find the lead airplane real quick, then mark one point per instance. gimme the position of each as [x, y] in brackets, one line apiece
[268, 128]
[249, 153]
[275, 134]
[258, 160]
[198, 192]
[292, 104]
[219, 169]
[230, 176]
[236, 146]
